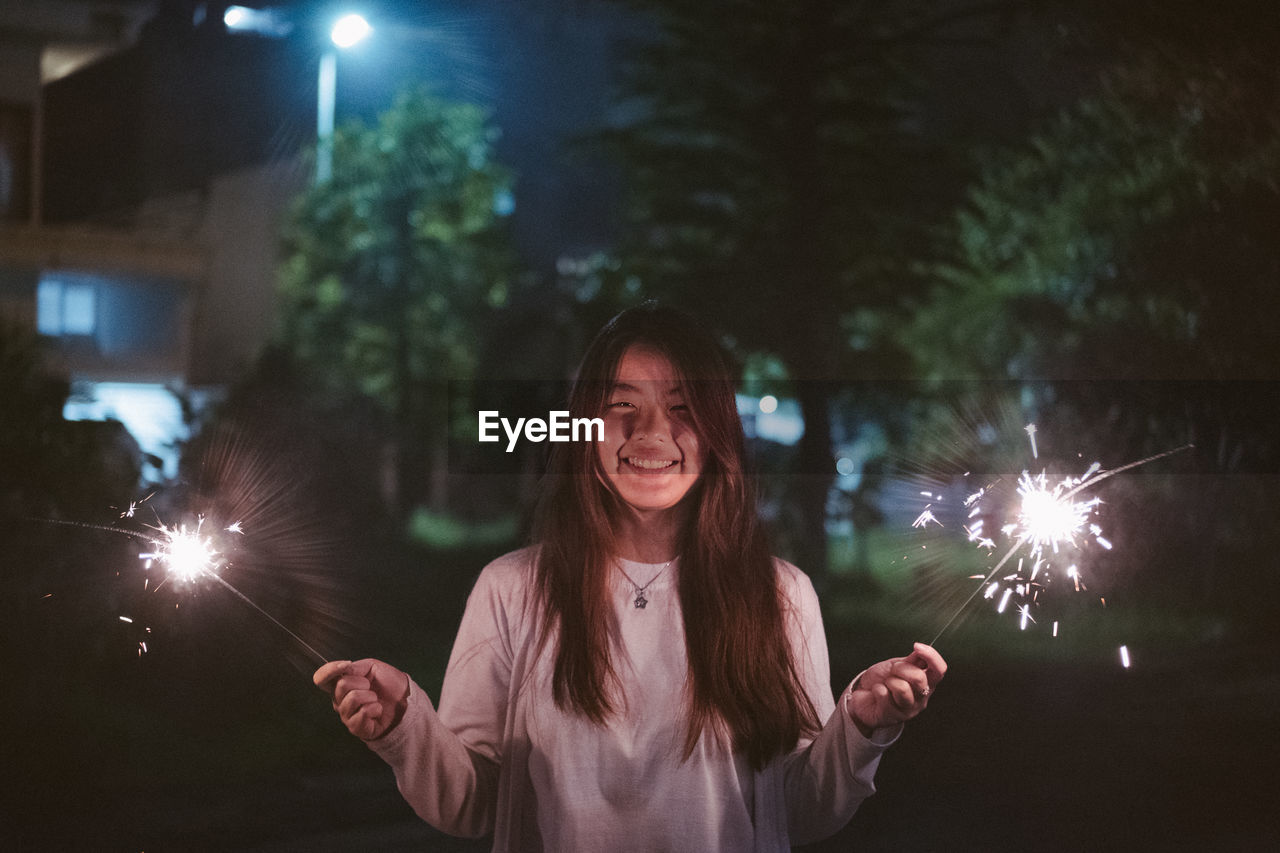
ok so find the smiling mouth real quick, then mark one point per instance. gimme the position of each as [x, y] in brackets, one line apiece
[651, 464]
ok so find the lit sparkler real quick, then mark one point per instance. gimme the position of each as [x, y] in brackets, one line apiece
[187, 556]
[1051, 518]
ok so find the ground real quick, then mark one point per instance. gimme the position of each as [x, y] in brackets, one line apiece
[219, 742]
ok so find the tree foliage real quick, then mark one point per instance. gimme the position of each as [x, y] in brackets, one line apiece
[1130, 247]
[772, 166]
[392, 267]
[1131, 238]
[389, 266]
[778, 180]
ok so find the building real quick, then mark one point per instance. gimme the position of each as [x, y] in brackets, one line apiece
[148, 153]
[142, 200]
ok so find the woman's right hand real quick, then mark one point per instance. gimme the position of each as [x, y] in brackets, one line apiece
[370, 696]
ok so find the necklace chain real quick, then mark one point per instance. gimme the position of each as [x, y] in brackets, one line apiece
[641, 601]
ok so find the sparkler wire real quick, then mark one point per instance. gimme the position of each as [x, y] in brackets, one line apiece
[1021, 541]
[1102, 475]
[90, 526]
[321, 659]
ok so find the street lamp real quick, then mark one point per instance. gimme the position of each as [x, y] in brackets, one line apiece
[347, 31]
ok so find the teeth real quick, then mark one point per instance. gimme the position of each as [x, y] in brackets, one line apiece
[651, 464]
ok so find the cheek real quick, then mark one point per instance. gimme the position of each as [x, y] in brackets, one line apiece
[691, 450]
[607, 455]
[614, 438]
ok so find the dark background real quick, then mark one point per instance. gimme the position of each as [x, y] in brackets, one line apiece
[858, 288]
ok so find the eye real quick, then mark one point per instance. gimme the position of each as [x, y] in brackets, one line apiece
[620, 404]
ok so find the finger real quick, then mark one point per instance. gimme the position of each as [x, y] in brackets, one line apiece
[913, 675]
[876, 710]
[366, 668]
[881, 709]
[901, 694]
[928, 659]
[345, 686]
[327, 675]
[364, 722]
[348, 683]
[354, 701]
[391, 684]
[383, 676]
[388, 681]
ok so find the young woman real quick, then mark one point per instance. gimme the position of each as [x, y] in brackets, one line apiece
[646, 676]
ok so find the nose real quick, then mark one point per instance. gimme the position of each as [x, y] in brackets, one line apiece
[652, 423]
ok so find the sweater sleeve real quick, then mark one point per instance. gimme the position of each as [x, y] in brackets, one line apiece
[447, 762]
[825, 779]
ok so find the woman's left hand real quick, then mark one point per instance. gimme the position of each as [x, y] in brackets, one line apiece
[895, 690]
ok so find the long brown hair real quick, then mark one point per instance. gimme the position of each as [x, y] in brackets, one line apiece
[742, 676]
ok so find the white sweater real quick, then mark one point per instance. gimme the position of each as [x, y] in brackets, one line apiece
[500, 757]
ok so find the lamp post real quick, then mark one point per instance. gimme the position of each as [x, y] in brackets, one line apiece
[347, 31]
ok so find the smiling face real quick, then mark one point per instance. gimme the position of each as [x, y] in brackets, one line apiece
[650, 457]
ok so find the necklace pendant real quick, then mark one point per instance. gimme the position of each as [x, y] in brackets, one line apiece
[641, 601]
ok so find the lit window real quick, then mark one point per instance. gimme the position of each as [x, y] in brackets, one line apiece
[65, 309]
[150, 412]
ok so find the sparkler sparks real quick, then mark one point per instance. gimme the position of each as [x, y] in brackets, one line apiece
[924, 518]
[187, 556]
[190, 555]
[1050, 519]
[1046, 516]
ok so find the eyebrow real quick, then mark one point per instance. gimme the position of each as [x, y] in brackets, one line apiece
[631, 389]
